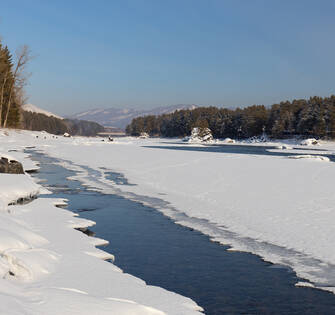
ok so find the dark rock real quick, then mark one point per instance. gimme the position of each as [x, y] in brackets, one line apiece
[4, 165]
[86, 231]
[15, 167]
[10, 167]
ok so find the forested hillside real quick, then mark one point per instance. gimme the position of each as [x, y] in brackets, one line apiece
[83, 127]
[121, 117]
[314, 117]
[54, 125]
[40, 122]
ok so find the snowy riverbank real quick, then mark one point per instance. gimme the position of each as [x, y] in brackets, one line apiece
[271, 205]
[278, 207]
[48, 267]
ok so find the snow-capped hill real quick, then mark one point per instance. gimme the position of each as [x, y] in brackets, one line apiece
[121, 117]
[34, 109]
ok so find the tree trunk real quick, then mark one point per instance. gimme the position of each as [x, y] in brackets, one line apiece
[2, 96]
[9, 103]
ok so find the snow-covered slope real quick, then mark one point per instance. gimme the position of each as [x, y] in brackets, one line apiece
[35, 109]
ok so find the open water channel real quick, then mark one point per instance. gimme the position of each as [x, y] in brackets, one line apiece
[152, 247]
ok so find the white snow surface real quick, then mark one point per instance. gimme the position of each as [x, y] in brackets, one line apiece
[48, 267]
[313, 157]
[34, 109]
[280, 208]
[277, 207]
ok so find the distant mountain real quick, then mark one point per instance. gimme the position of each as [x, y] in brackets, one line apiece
[34, 109]
[121, 117]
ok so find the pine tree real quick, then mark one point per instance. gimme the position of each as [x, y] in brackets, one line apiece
[6, 80]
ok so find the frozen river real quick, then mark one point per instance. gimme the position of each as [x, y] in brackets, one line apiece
[152, 247]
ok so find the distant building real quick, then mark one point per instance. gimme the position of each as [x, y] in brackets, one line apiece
[112, 132]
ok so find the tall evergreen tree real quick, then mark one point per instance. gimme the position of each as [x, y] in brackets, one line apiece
[6, 80]
[12, 81]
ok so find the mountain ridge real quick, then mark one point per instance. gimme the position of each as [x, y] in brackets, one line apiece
[35, 109]
[121, 117]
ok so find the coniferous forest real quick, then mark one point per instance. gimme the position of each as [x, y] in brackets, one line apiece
[57, 126]
[314, 117]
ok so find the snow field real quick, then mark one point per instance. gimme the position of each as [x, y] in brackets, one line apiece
[269, 202]
[281, 208]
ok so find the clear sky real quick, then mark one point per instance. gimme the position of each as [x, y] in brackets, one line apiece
[146, 53]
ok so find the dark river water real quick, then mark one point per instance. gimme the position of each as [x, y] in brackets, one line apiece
[152, 247]
[245, 149]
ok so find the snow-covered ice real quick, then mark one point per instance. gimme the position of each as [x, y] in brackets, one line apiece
[278, 207]
[313, 157]
[48, 267]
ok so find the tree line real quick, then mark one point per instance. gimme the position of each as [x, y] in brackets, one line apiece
[57, 126]
[314, 117]
[12, 80]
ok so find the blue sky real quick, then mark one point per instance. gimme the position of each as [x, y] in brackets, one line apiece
[147, 53]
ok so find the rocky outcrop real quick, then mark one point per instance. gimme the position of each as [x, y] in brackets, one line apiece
[310, 141]
[228, 140]
[10, 166]
[199, 135]
[144, 135]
